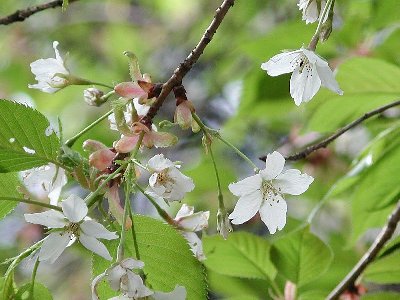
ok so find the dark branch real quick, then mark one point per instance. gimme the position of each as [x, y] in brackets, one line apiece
[369, 256]
[21, 15]
[188, 63]
[325, 142]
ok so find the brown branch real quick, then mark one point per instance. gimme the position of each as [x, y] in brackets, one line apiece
[325, 142]
[369, 256]
[188, 63]
[21, 15]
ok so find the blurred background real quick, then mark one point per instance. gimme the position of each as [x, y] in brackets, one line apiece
[230, 93]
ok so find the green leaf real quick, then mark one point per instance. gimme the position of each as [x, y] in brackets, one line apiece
[363, 91]
[167, 258]
[301, 256]
[381, 296]
[8, 188]
[40, 292]
[385, 270]
[26, 138]
[241, 255]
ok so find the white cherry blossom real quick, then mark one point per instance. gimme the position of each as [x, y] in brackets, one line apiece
[45, 182]
[70, 225]
[263, 192]
[309, 72]
[189, 222]
[50, 73]
[167, 182]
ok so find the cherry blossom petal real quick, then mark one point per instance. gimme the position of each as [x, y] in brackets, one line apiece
[96, 230]
[195, 243]
[94, 245]
[179, 293]
[281, 63]
[158, 163]
[310, 10]
[129, 90]
[273, 213]
[246, 186]
[101, 159]
[130, 263]
[49, 218]
[53, 246]
[184, 211]
[162, 139]
[293, 182]
[304, 83]
[194, 222]
[114, 276]
[328, 79]
[74, 208]
[273, 166]
[246, 207]
[135, 287]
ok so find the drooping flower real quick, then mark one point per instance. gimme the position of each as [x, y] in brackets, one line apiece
[51, 73]
[101, 156]
[183, 116]
[45, 181]
[311, 9]
[70, 225]
[263, 192]
[309, 72]
[167, 182]
[190, 222]
[224, 226]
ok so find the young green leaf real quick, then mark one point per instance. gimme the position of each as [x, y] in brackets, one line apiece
[241, 255]
[40, 292]
[300, 256]
[8, 188]
[385, 270]
[26, 138]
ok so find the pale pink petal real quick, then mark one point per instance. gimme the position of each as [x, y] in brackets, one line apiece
[50, 219]
[74, 208]
[273, 213]
[53, 246]
[184, 211]
[328, 79]
[114, 276]
[246, 207]
[195, 222]
[183, 115]
[281, 63]
[246, 186]
[293, 182]
[101, 159]
[158, 163]
[94, 245]
[162, 139]
[196, 245]
[273, 166]
[126, 144]
[129, 90]
[130, 263]
[135, 287]
[96, 230]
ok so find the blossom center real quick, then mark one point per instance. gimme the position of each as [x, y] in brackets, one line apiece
[269, 192]
[73, 228]
[302, 63]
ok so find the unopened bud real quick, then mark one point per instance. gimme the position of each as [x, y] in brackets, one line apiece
[92, 146]
[93, 96]
[224, 226]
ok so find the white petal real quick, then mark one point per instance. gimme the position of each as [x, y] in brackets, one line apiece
[293, 182]
[114, 276]
[305, 84]
[179, 293]
[135, 287]
[328, 79]
[246, 186]
[281, 63]
[273, 213]
[273, 166]
[159, 163]
[94, 285]
[195, 222]
[246, 207]
[53, 245]
[97, 230]
[184, 211]
[130, 263]
[94, 245]
[49, 218]
[74, 208]
[195, 244]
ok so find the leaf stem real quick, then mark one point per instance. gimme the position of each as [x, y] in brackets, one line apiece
[315, 38]
[72, 140]
[31, 202]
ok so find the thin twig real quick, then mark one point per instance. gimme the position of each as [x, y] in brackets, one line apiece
[22, 14]
[325, 142]
[188, 63]
[369, 256]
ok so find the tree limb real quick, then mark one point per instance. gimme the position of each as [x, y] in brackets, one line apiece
[21, 15]
[325, 142]
[369, 256]
[190, 60]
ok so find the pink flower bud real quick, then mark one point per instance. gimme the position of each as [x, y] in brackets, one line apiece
[101, 159]
[92, 146]
[130, 90]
